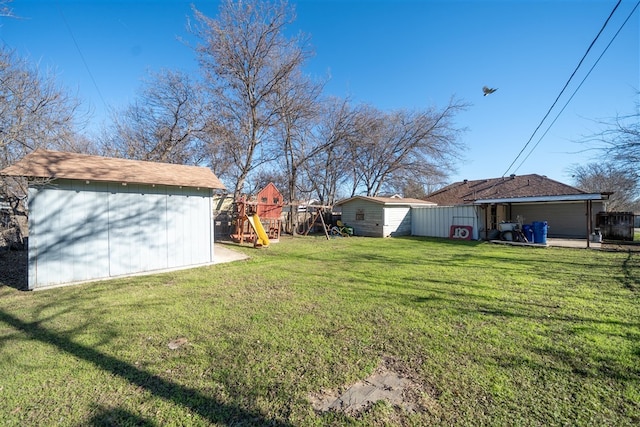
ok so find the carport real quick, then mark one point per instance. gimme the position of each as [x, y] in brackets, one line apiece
[561, 208]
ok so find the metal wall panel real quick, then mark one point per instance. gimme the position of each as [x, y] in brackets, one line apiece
[88, 233]
[566, 220]
[137, 228]
[436, 221]
[82, 230]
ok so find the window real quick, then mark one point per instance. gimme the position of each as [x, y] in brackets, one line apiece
[360, 215]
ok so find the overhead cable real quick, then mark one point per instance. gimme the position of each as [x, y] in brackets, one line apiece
[580, 85]
[84, 61]
[563, 89]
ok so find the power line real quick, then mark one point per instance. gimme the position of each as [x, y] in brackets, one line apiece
[84, 61]
[563, 89]
[580, 85]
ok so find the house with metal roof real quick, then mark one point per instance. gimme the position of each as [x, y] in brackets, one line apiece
[93, 217]
[568, 211]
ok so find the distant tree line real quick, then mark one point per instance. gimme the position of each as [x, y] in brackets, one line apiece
[252, 115]
[617, 168]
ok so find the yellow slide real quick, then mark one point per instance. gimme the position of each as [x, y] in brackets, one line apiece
[263, 239]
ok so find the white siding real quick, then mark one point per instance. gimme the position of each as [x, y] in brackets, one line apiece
[436, 221]
[397, 221]
[91, 231]
[372, 225]
[379, 220]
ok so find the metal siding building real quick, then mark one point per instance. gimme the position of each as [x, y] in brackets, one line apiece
[100, 226]
[436, 221]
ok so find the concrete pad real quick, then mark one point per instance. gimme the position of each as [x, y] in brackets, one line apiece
[223, 254]
[573, 243]
[555, 242]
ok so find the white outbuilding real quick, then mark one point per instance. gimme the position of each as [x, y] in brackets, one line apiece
[379, 216]
[93, 217]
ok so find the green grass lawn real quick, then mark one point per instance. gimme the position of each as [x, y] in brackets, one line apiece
[492, 334]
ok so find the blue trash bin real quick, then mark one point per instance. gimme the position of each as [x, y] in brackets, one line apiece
[527, 229]
[540, 232]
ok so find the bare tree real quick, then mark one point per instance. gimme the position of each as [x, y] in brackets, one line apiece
[245, 57]
[410, 184]
[403, 144]
[296, 107]
[414, 189]
[34, 112]
[163, 124]
[618, 165]
[5, 10]
[330, 168]
[608, 177]
[621, 142]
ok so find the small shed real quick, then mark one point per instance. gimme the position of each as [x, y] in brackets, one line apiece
[379, 216]
[93, 217]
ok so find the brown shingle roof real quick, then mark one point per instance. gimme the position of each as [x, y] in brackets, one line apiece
[56, 164]
[466, 192]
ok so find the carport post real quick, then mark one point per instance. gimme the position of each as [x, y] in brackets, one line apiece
[589, 208]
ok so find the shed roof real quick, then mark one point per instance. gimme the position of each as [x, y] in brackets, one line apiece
[510, 187]
[387, 201]
[57, 164]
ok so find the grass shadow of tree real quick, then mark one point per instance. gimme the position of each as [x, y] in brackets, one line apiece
[631, 278]
[193, 399]
[106, 417]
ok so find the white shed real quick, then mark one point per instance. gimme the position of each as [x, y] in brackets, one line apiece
[379, 216]
[94, 217]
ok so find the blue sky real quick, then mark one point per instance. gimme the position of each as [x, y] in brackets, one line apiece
[390, 54]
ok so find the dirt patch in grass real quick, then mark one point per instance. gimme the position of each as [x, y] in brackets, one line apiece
[392, 382]
[615, 246]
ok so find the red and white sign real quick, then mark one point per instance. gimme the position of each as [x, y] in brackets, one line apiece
[461, 232]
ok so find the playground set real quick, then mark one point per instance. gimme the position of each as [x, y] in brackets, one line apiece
[258, 219]
[316, 220]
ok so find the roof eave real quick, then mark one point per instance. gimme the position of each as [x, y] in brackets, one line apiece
[539, 199]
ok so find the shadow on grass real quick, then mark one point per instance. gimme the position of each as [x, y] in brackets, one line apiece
[443, 240]
[631, 278]
[193, 399]
[580, 364]
[106, 417]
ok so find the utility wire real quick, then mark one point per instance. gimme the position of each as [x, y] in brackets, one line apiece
[563, 89]
[84, 61]
[580, 85]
